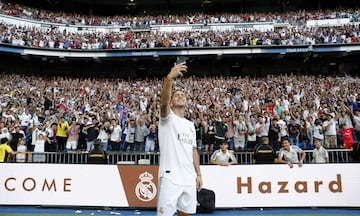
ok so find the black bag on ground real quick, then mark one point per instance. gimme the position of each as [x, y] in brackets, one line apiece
[206, 201]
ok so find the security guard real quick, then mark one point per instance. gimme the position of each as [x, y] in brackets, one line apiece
[5, 150]
[97, 155]
[265, 153]
[355, 153]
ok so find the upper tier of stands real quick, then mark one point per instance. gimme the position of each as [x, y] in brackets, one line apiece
[30, 27]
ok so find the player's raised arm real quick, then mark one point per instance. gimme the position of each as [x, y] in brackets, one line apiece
[176, 71]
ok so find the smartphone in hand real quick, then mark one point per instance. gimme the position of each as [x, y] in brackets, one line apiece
[181, 59]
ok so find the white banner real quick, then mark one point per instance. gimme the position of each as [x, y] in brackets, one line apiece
[61, 184]
[332, 185]
[279, 186]
[260, 26]
[328, 22]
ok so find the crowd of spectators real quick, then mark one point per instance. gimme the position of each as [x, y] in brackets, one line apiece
[297, 34]
[49, 38]
[292, 17]
[62, 114]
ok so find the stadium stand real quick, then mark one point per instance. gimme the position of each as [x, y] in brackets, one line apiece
[33, 103]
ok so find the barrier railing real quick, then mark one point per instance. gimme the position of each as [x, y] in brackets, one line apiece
[335, 156]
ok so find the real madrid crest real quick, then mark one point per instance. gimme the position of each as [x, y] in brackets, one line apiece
[145, 190]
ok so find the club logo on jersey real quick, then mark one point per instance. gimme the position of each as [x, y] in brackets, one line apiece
[145, 190]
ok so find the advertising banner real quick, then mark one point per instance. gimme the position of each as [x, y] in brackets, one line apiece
[313, 185]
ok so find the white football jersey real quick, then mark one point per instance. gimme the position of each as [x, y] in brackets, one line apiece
[177, 138]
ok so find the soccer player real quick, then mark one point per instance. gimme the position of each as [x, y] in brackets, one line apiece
[179, 170]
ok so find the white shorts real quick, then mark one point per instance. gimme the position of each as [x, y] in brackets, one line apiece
[71, 145]
[173, 197]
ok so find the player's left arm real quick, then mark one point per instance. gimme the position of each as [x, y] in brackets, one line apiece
[197, 169]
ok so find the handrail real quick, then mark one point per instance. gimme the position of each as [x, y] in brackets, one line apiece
[152, 158]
